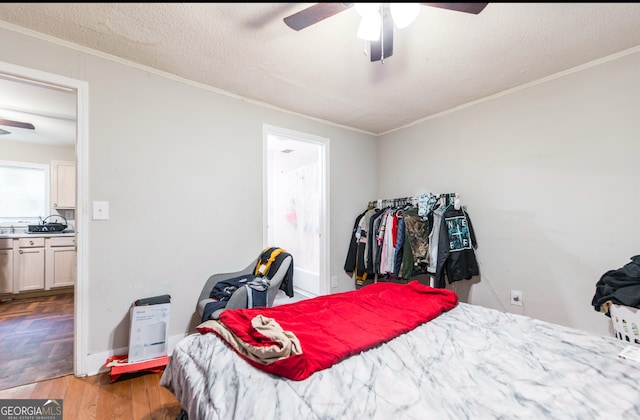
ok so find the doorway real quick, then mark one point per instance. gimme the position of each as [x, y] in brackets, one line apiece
[295, 203]
[80, 91]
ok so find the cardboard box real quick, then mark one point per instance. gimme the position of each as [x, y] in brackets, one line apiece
[149, 333]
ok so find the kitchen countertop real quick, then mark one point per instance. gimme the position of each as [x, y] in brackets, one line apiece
[34, 235]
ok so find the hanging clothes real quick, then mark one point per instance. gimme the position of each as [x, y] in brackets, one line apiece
[372, 242]
[418, 232]
[456, 248]
[399, 247]
[413, 236]
[388, 247]
[406, 269]
[426, 204]
[435, 221]
[384, 243]
[375, 242]
[363, 235]
[352, 258]
[379, 265]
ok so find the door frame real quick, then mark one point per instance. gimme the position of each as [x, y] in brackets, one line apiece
[82, 158]
[324, 263]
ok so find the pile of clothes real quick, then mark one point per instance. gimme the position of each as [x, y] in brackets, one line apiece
[619, 287]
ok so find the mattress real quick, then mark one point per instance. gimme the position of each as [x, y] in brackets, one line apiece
[469, 362]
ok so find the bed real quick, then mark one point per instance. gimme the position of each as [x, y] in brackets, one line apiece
[465, 362]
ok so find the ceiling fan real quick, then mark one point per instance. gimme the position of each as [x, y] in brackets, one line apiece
[12, 123]
[381, 45]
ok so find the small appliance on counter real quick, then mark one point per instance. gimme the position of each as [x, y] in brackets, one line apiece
[48, 226]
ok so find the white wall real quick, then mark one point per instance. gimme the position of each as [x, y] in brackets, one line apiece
[550, 176]
[181, 168]
[35, 153]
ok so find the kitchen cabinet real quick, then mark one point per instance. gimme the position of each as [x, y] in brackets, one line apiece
[37, 263]
[29, 264]
[60, 262]
[6, 265]
[63, 185]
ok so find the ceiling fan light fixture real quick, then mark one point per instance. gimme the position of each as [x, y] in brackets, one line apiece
[370, 26]
[403, 14]
[377, 20]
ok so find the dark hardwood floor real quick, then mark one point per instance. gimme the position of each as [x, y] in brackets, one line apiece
[36, 339]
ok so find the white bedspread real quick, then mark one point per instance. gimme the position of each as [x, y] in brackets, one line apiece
[471, 362]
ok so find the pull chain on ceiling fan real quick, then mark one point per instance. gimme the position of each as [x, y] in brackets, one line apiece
[377, 21]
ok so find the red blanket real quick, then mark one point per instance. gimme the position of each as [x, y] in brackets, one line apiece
[332, 327]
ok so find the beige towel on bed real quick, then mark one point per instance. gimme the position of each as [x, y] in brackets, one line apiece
[287, 343]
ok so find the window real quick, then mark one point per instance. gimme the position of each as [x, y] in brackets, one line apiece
[24, 188]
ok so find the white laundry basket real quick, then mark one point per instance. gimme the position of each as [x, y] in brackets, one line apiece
[626, 323]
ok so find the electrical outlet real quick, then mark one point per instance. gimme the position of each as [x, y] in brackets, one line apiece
[334, 281]
[516, 297]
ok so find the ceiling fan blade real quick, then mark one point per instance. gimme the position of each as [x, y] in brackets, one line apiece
[314, 14]
[383, 48]
[18, 124]
[474, 8]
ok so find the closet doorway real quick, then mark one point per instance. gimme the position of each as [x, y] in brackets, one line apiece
[295, 203]
[78, 90]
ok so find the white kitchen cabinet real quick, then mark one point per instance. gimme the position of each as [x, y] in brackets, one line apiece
[6, 265]
[63, 185]
[29, 264]
[60, 262]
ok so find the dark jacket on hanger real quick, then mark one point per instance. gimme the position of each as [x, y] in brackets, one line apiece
[350, 262]
[372, 243]
[456, 248]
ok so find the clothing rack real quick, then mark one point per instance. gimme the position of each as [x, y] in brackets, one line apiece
[393, 202]
[444, 199]
[370, 240]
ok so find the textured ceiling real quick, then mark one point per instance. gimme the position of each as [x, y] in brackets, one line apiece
[443, 60]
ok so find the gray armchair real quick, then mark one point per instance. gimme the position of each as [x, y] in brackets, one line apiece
[278, 275]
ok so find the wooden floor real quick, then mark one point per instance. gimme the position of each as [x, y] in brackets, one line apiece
[36, 339]
[132, 397]
[36, 345]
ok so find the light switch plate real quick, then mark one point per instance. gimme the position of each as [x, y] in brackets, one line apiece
[100, 210]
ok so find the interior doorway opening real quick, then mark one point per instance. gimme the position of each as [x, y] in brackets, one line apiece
[296, 204]
[80, 91]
